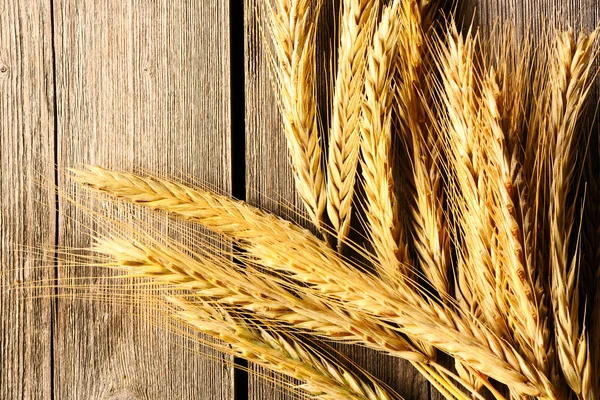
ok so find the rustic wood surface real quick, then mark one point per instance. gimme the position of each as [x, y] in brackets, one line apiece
[27, 143]
[177, 87]
[137, 84]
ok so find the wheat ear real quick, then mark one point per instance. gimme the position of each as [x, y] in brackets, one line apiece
[376, 132]
[218, 279]
[408, 96]
[280, 353]
[518, 66]
[292, 27]
[214, 279]
[523, 313]
[476, 278]
[429, 235]
[309, 260]
[570, 85]
[358, 20]
[481, 271]
[530, 171]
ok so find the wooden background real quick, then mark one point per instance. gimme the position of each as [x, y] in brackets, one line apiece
[171, 86]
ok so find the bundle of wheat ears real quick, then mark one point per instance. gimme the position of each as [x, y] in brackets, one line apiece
[467, 168]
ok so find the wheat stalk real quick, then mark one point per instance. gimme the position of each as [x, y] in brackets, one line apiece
[467, 190]
[358, 21]
[523, 313]
[307, 259]
[292, 27]
[477, 279]
[284, 354]
[429, 235]
[390, 247]
[531, 180]
[426, 213]
[383, 224]
[518, 66]
[483, 144]
[570, 85]
[216, 278]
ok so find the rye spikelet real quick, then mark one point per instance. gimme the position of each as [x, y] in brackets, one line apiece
[292, 27]
[358, 20]
[385, 231]
[572, 62]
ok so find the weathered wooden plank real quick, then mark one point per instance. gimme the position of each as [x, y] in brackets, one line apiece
[27, 216]
[532, 14]
[140, 84]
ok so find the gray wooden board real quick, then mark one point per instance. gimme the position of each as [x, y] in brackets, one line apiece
[26, 210]
[139, 84]
[142, 84]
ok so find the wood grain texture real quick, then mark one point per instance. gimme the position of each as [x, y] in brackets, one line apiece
[531, 14]
[26, 208]
[140, 84]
